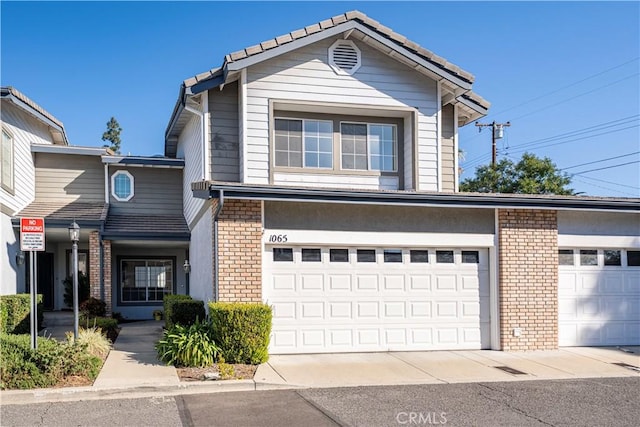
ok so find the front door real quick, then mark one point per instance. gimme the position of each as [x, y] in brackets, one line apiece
[45, 278]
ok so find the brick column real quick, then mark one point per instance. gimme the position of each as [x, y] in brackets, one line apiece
[528, 270]
[106, 264]
[240, 254]
[94, 264]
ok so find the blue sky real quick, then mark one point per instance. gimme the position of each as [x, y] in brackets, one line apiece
[565, 74]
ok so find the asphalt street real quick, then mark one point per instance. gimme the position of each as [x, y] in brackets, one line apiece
[601, 401]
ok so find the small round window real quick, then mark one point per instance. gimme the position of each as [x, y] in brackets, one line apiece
[122, 186]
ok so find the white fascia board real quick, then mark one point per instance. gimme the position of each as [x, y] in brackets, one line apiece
[67, 149]
[358, 238]
[606, 242]
[334, 31]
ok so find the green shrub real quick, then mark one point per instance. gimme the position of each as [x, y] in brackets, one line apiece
[168, 302]
[21, 367]
[16, 311]
[241, 331]
[83, 289]
[93, 307]
[191, 345]
[186, 312]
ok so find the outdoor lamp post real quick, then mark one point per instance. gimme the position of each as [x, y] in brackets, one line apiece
[74, 236]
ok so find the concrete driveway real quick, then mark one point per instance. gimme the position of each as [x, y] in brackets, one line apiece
[362, 369]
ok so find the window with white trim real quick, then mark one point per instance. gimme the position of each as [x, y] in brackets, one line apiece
[6, 162]
[369, 146]
[122, 186]
[146, 280]
[305, 142]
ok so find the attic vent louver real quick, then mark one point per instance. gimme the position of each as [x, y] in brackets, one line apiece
[344, 57]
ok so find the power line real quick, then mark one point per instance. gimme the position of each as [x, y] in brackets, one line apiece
[594, 128]
[577, 96]
[607, 188]
[565, 87]
[575, 139]
[600, 161]
[606, 167]
[611, 182]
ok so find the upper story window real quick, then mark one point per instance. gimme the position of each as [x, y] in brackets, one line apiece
[303, 142]
[367, 146]
[6, 162]
[332, 143]
[122, 186]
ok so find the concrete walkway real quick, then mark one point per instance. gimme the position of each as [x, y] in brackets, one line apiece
[132, 369]
[363, 369]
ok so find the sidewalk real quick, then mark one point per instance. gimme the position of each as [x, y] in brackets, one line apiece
[132, 369]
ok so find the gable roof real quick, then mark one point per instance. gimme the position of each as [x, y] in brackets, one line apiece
[26, 104]
[352, 24]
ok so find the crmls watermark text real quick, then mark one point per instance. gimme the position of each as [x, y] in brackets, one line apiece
[421, 418]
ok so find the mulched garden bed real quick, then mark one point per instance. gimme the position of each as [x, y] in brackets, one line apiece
[242, 372]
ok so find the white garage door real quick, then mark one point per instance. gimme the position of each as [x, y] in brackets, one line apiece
[599, 297]
[337, 299]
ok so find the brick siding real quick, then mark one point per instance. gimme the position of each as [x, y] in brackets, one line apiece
[528, 275]
[94, 264]
[106, 254]
[94, 269]
[240, 254]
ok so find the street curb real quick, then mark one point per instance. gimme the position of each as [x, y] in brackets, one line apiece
[71, 394]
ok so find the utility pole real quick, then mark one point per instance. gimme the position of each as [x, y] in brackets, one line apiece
[497, 132]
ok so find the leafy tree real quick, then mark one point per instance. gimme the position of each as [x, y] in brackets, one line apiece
[531, 175]
[112, 135]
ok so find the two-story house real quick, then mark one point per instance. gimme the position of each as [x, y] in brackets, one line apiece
[23, 123]
[134, 240]
[321, 177]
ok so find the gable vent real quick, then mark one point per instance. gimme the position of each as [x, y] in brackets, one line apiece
[344, 57]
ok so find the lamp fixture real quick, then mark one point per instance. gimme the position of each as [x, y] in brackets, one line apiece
[186, 266]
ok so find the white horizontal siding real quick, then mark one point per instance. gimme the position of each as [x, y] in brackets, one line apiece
[201, 258]
[337, 181]
[304, 75]
[25, 130]
[190, 149]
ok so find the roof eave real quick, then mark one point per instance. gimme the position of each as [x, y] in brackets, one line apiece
[459, 200]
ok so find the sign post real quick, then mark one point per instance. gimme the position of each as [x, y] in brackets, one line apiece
[32, 240]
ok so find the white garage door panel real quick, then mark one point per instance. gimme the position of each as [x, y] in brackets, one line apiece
[349, 307]
[599, 305]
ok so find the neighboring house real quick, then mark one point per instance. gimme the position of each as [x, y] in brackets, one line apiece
[134, 239]
[23, 123]
[321, 177]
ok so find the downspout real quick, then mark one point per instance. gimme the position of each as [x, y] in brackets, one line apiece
[101, 244]
[216, 271]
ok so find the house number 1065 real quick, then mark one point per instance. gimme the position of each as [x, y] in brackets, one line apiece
[277, 238]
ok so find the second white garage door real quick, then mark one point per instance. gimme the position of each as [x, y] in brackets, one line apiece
[339, 299]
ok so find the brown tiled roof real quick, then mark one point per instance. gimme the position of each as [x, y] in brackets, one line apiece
[24, 98]
[66, 211]
[355, 15]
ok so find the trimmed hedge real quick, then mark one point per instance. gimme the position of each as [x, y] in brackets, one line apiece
[186, 312]
[15, 313]
[168, 302]
[241, 331]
